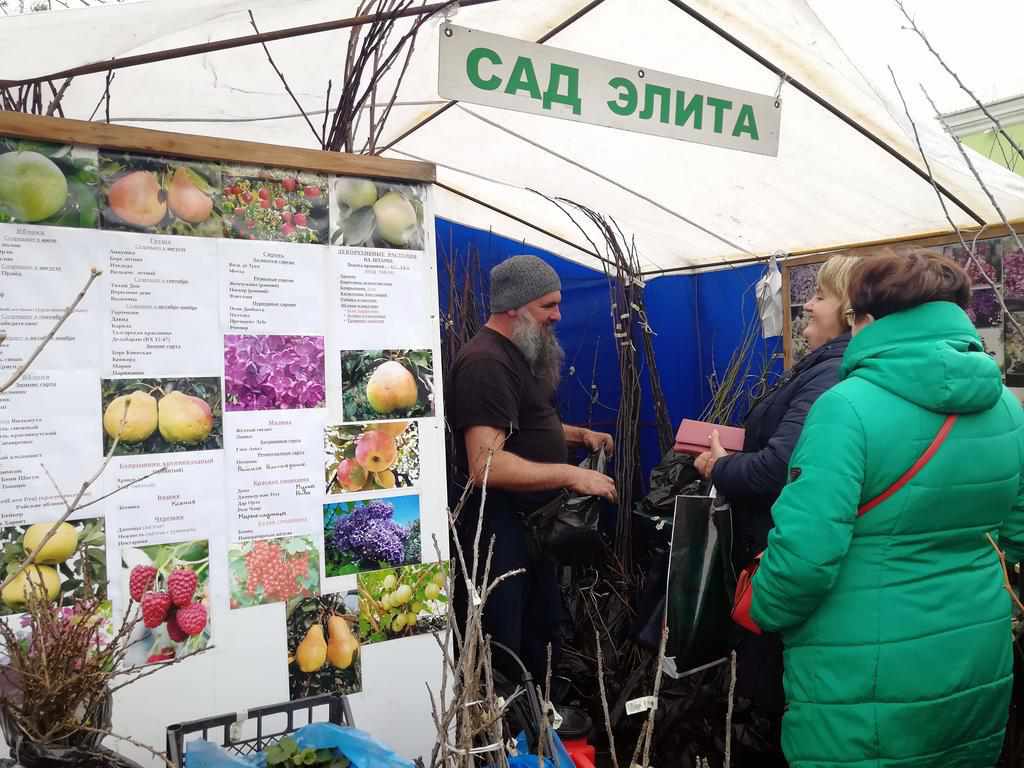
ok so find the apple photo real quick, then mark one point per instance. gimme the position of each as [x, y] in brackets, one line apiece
[52, 184]
[368, 457]
[275, 204]
[71, 566]
[387, 384]
[323, 646]
[139, 193]
[170, 584]
[161, 415]
[376, 214]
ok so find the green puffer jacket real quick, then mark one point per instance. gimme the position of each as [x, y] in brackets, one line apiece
[896, 625]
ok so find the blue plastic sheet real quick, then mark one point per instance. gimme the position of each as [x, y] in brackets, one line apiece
[359, 747]
[525, 760]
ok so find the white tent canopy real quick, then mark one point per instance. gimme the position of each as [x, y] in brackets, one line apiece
[687, 204]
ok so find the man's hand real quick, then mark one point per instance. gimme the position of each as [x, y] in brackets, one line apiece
[596, 441]
[706, 461]
[587, 482]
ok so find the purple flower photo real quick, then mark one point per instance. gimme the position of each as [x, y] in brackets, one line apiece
[803, 279]
[266, 373]
[984, 309]
[1013, 275]
[371, 534]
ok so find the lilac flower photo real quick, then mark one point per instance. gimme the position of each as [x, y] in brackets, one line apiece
[1013, 275]
[265, 373]
[984, 309]
[803, 280]
[371, 534]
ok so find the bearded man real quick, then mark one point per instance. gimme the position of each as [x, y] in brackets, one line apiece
[501, 410]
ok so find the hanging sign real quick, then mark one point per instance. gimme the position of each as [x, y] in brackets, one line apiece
[507, 73]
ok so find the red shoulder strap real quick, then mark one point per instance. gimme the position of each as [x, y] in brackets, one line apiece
[925, 457]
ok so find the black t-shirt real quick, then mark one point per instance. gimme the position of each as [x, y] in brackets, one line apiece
[493, 386]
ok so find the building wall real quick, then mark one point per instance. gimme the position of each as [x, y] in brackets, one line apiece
[997, 148]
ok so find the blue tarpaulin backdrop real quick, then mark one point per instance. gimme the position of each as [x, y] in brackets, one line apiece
[699, 320]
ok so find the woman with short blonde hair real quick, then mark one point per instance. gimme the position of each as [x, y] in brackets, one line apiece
[753, 479]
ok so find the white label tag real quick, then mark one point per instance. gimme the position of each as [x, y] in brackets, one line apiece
[642, 704]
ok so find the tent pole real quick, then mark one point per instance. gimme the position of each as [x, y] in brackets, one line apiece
[238, 42]
[925, 238]
[542, 39]
[821, 101]
[524, 222]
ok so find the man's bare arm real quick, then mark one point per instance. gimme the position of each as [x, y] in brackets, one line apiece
[513, 473]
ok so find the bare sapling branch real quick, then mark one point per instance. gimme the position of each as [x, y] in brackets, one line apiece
[985, 111]
[1006, 576]
[977, 177]
[23, 368]
[284, 82]
[728, 711]
[604, 701]
[128, 740]
[971, 254]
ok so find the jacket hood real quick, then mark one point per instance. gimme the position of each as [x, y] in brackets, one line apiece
[930, 355]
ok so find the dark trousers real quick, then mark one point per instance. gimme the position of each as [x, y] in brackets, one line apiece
[523, 612]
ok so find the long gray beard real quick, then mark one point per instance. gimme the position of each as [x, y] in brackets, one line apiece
[541, 349]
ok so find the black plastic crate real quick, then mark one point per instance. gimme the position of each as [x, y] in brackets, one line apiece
[270, 723]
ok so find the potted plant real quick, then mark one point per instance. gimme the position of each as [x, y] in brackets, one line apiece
[60, 669]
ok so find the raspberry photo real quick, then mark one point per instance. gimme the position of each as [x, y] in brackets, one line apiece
[169, 584]
[140, 580]
[273, 570]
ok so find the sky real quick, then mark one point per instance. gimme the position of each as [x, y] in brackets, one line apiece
[980, 40]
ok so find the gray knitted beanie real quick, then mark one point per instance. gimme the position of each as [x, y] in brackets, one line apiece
[518, 280]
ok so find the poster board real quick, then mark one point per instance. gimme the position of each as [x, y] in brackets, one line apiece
[270, 317]
[1003, 262]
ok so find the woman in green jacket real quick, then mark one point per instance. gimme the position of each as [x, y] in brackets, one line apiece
[896, 624]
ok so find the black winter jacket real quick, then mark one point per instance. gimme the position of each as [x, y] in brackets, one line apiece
[752, 480]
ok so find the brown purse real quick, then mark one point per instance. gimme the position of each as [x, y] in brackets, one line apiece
[745, 584]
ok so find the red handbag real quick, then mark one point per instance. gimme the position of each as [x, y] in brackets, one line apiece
[745, 584]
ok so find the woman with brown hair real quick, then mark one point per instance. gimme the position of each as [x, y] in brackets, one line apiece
[878, 572]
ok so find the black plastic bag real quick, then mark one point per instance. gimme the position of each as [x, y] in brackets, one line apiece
[568, 528]
[699, 597]
[28, 755]
[673, 476]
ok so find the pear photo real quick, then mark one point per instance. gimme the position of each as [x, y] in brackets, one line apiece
[161, 415]
[323, 646]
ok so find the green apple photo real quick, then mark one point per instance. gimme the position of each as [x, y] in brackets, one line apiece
[43, 183]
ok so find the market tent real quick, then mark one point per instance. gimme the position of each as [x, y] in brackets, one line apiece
[689, 205]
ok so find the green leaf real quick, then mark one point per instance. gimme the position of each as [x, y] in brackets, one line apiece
[275, 755]
[297, 544]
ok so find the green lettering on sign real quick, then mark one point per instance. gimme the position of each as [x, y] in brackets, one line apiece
[664, 97]
[746, 122]
[721, 106]
[686, 109]
[625, 104]
[572, 87]
[523, 78]
[473, 68]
